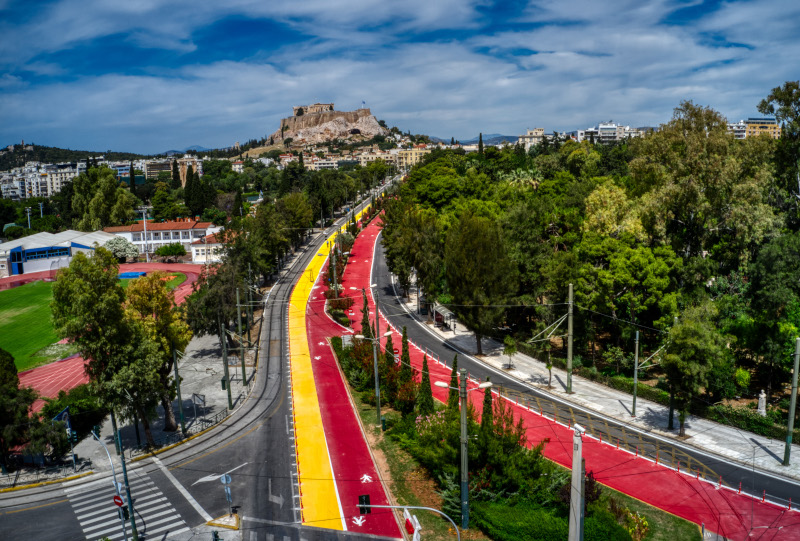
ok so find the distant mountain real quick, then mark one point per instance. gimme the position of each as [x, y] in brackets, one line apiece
[492, 139]
[196, 148]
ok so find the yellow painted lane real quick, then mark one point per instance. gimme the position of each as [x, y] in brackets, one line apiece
[318, 496]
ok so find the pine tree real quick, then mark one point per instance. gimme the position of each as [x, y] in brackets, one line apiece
[132, 177]
[366, 329]
[238, 205]
[480, 144]
[452, 398]
[302, 165]
[486, 432]
[176, 175]
[425, 394]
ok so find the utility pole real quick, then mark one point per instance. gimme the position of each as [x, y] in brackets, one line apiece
[41, 209]
[792, 404]
[114, 429]
[576, 487]
[134, 533]
[144, 221]
[569, 342]
[28, 210]
[635, 374]
[462, 391]
[227, 380]
[377, 377]
[671, 418]
[178, 390]
[238, 312]
[333, 262]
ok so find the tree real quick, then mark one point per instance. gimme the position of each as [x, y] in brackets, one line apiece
[8, 370]
[165, 204]
[173, 249]
[122, 248]
[238, 205]
[99, 201]
[695, 347]
[176, 175]
[479, 274]
[406, 387]
[480, 144]
[452, 396]
[486, 432]
[149, 302]
[425, 395]
[296, 215]
[509, 348]
[366, 329]
[122, 360]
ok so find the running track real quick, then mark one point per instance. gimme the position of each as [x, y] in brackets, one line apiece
[736, 516]
[68, 373]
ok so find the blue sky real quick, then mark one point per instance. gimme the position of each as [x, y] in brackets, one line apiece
[148, 76]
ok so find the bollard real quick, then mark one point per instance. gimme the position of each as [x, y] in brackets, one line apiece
[698, 474]
[764, 496]
[790, 504]
[617, 443]
[656, 458]
[740, 488]
[637, 451]
[600, 437]
[720, 482]
[679, 466]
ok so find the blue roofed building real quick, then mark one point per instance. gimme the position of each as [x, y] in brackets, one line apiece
[46, 251]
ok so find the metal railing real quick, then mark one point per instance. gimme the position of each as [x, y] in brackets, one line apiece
[26, 476]
[177, 437]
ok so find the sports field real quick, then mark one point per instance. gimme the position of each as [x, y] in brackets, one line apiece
[26, 328]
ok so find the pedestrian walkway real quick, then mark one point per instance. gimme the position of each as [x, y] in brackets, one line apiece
[99, 515]
[735, 444]
[722, 510]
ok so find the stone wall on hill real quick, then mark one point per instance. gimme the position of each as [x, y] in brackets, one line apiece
[315, 128]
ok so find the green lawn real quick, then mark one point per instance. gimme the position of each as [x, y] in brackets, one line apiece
[26, 329]
[25, 325]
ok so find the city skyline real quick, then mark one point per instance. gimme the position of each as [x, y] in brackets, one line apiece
[157, 76]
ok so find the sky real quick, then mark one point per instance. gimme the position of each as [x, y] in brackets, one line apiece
[149, 76]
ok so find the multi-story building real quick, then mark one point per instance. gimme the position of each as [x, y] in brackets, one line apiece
[207, 250]
[531, 138]
[738, 129]
[406, 159]
[159, 234]
[46, 252]
[607, 132]
[153, 167]
[238, 166]
[761, 126]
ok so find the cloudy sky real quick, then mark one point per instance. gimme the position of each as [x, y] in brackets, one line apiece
[150, 75]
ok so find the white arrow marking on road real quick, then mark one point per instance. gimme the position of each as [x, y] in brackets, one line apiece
[317, 358]
[274, 499]
[216, 476]
[321, 343]
[366, 478]
[358, 521]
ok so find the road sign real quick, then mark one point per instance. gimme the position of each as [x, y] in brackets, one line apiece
[118, 501]
[225, 479]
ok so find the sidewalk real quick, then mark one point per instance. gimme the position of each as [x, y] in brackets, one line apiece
[727, 441]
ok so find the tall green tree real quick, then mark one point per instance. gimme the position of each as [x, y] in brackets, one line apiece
[452, 396]
[695, 346]
[99, 201]
[480, 276]
[480, 144]
[296, 216]
[366, 328]
[425, 395]
[176, 175]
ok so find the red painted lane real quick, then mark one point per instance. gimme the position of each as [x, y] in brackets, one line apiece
[68, 373]
[720, 509]
[351, 460]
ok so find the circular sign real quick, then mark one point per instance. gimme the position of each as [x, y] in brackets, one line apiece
[226, 479]
[118, 501]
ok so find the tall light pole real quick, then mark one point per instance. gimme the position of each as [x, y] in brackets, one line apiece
[375, 341]
[792, 405]
[114, 475]
[28, 210]
[576, 487]
[462, 393]
[144, 221]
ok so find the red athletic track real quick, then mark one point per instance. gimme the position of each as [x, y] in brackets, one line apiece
[68, 373]
[350, 456]
[721, 510]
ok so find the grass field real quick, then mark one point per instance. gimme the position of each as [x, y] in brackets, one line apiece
[26, 328]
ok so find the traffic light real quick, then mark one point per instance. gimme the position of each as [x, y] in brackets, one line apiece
[363, 504]
[96, 429]
[125, 514]
[224, 383]
[73, 436]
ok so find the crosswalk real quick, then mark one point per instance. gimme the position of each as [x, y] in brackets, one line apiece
[94, 506]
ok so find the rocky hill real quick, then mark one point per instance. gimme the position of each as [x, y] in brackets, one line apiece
[322, 124]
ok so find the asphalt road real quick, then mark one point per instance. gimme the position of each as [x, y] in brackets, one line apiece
[254, 446]
[669, 451]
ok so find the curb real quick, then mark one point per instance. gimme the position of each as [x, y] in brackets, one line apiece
[44, 483]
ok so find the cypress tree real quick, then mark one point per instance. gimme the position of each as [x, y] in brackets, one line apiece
[425, 395]
[480, 144]
[388, 372]
[189, 190]
[406, 374]
[176, 175]
[366, 329]
[132, 177]
[452, 398]
[238, 206]
[486, 430]
[302, 165]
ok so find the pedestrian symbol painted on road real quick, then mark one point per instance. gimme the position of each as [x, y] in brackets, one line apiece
[358, 521]
[366, 478]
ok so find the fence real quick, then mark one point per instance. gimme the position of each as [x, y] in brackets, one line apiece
[171, 439]
[40, 475]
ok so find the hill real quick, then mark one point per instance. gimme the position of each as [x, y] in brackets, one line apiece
[319, 123]
[20, 153]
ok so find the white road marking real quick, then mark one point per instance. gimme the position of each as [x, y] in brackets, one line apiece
[202, 512]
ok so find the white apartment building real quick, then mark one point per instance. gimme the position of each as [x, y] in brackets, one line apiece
[607, 132]
[37, 180]
[159, 234]
[207, 250]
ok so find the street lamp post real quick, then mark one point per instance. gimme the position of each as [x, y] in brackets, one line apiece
[375, 341]
[114, 475]
[462, 393]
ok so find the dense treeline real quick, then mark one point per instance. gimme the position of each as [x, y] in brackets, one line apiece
[686, 235]
[19, 156]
